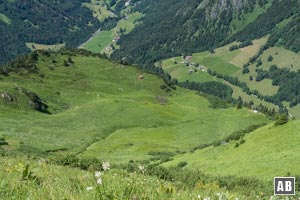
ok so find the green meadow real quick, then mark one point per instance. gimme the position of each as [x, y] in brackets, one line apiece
[100, 41]
[267, 152]
[225, 62]
[94, 103]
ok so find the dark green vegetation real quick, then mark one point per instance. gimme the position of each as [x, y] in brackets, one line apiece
[51, 22]
[185, 27]
[43, 22]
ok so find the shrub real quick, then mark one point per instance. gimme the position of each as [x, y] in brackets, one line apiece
[242, 141]
[182, 164]
[3, 142]
[270, 58]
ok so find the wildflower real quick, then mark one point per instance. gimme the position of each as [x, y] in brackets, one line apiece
[105, 166]
[199, 196]
[97, 174]
[89, 188]
[41, 162]
[99, 181]
[142, 168]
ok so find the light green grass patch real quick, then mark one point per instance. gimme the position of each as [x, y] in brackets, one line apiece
[35, 46]
[282, 57]
[295, 111]
[99, 9]
[246, 19]
[181, 72]
[130, 22]
[100, 41]
[104, 40]
[237, 92]
[219, 65]
[5, 19]
[244, 54]
[265, 86]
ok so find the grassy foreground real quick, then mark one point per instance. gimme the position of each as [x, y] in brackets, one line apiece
[38, 179]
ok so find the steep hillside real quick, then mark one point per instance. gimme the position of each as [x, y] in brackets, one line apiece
[184, 27]
[267, 152]
[87, 104]
[43, 22]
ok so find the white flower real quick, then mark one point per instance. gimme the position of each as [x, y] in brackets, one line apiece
[89, 188]
[97, 174]
[105, 166]
[42, 162]
[99, 181]
[142, 168]
[199, 196]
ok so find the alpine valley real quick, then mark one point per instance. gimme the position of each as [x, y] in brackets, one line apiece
[149, 99]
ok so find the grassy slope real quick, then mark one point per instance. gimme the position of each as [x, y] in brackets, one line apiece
[95, 102]
[225, 62]
[99, 9]
[246, 19]
[58, 182]
[100, 41]
[104, 39]
[269, 151]
[282, 57]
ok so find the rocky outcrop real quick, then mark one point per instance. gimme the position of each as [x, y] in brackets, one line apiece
[35, 102]
[6, 97]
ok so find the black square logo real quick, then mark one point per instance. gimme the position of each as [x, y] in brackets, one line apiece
[284, 186]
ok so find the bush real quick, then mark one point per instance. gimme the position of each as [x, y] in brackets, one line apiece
[242, 141]
[182, 164]
[3, 142]
[270, 58]
[282, 119]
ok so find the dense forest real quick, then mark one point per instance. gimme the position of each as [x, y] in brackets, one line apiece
[183, 27]
[45, 22]
[180, 27]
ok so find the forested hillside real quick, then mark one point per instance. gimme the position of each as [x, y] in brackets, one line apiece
[44, 22]
[182, 27]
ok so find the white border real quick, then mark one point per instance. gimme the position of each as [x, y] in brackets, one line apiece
[284, 194]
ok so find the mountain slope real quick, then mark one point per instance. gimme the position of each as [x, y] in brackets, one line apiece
[267, 152]
[176, 28]
[43, 22]
[92, 103]
[181, 27]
